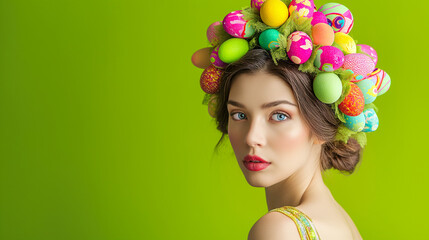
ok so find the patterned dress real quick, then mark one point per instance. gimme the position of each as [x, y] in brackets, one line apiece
[305, 226]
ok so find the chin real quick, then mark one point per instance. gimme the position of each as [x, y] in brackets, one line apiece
[258, 181]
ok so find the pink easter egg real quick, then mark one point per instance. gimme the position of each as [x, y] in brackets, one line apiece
[329, 58]
[299, 47]
[304, 8]
[215, 60]
[236, 26]
[212, 33]
[370, 51]
[256, 4]
[318, 17]
[359, 64]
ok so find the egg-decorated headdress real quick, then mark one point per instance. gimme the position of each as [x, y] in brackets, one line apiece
[346, 76]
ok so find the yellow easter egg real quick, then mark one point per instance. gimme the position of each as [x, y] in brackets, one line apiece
[344, 42]
[274, 13]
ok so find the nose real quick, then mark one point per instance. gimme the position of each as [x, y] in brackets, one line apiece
[256, 133]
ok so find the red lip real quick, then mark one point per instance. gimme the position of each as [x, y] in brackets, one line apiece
[254, 166]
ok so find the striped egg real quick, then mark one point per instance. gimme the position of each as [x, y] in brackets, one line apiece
[236, 26]
[299, 47]
[339, 17]
[381, 80]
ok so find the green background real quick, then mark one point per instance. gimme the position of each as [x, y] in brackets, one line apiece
[103, 134]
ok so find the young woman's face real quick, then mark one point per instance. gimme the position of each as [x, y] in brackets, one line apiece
[264, 120]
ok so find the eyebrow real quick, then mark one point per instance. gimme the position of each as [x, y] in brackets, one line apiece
[265, 105]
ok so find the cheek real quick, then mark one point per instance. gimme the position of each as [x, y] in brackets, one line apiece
[291, 139]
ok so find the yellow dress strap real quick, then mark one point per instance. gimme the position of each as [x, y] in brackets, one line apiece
[305, 226]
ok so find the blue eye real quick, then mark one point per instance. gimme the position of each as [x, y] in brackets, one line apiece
[280, 116]
[241, 115]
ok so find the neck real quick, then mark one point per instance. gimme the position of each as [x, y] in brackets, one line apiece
[298, 188]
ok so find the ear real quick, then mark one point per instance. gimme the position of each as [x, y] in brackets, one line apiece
[316, 140]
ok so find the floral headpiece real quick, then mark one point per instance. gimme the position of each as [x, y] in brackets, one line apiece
[346, 76]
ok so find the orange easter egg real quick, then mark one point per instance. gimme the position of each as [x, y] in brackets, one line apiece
[210, 79]
[323, 34]
[354, 102]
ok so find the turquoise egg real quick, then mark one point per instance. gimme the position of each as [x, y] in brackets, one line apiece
[356, 123]
[368, 89]
[371, 120]
[269, 39]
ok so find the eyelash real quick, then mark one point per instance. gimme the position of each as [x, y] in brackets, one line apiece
[276, 112]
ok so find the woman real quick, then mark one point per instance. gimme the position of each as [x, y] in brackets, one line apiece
[295, 96]
[271, 114]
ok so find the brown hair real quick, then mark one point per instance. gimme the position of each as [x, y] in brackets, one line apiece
[318, 116]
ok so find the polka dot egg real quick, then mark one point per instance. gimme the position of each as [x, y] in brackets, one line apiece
[355, 123]
[299, 47]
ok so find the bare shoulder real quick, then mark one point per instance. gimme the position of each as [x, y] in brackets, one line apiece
[274, 226]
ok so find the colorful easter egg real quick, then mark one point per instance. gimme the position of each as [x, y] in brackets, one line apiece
[328, 58]
[354, 102]
[211, 105]
[371, 120]
[201, 58]
[359, 64]
[368, 89]
[355, 123]
[256, 3]
[299, 47]
[322, 34]
[269, 39]
[210, 79]
[370, 51]
[215, 60]
[327, 87]
[345, 43]
[339, 17]
[303, 8]
[274, 13]
[236, 26]
[213, 33]
[233, 49]
[318, 17]
[381, 80]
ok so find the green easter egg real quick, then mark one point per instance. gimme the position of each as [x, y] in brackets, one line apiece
[233, 49]
[269, 39]
[327, 87]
